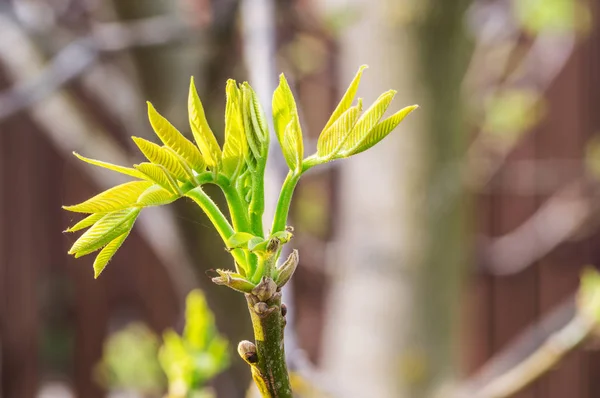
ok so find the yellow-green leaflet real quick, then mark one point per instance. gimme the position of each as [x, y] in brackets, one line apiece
[172, 138]
[292, 142]
[347, 99]
[331, 139]
[287, 124]
[162, 156]
[119, 169]
[116, 198]
[382, 129]
[86, 222]
[366, 122]
[107, 253]
[202, 133]
[105, 230]
[235, 147]
[156, 196]
[159, 175]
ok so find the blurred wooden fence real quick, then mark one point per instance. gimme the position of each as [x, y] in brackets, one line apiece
[53, 315]
[499, 308]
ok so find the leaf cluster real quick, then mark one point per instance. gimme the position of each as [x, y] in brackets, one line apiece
[177, 167]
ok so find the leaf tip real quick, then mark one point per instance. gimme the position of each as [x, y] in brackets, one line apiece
[193, 90]
[412, 108]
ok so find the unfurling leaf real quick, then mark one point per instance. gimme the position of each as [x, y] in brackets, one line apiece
[381, 130]
[162, 156]
[202, 133]
[117, 198]
[159, 175]
[172, 138]
[235, 147]
[156, 196]
[333, 137]
[255, 126]
[239, 239]
[86, 222]
[287, 125]
[347, 99]
[283, 236]
[119, 169]
[104, 231]
[107, 253]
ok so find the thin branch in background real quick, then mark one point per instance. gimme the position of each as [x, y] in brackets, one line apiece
[556, 221]
[65, 126]
[82, 53]
[534, 353]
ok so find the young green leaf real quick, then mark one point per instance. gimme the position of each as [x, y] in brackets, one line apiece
[253, 137]
[239, 239]
[119, 169]
[86, 222]
[202, 133]
[104, 231]
[287, 125]
[235, 147]
[159, 175]
[163, 157]
[116, 198]
[331, 139]
[200, 322]
[172, 138]
[257, 243]
[258, 118]
[255, 126]
[367, 122]
[347, 99]
[107, 253]
[381, 130]
[156, 196]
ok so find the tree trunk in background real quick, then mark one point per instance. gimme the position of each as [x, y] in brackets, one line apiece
[392, 321]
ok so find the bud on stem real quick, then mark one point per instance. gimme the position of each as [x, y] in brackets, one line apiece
[234, 281]
[287, 269]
